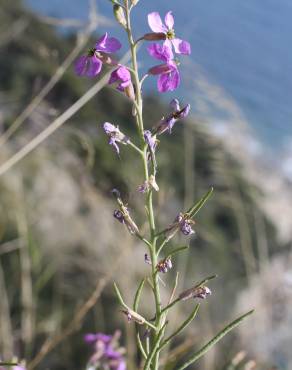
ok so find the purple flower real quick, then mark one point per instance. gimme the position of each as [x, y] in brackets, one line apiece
[166, 124]
[115, 135]
[91, 64]
[93, 338]
[122, 76]
[107, 353]
[166, 32]
[169, 78]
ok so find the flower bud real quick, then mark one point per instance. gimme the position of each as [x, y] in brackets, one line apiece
[195, 292]
[154, 36]
[134, 2]
[120, 15]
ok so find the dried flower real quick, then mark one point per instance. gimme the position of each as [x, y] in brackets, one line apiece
[134, 316]
[183, 223]
[151, 140]
[169, 78]
[124, 217]
[166, 124]
[195, 292]
[164, 265]
[120, 15]
[166, 32]
[150, 184]
[91, 64]
[115, 135]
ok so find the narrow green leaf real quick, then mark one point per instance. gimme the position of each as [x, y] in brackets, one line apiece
[195, 209]
[155, 348]
[140, 345]
[138, 295]
[203, 282]
[119, 295]
[213, 341]
[182, 327]
[177, 250]
[8, 364]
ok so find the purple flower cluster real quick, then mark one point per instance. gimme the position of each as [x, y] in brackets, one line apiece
[169, 77]
[107, 354]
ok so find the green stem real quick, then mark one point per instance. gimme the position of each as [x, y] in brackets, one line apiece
[149, 200]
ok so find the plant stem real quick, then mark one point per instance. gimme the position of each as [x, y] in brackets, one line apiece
[149, 201]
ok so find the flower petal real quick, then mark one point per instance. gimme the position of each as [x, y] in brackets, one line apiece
[175, 105]
[93, 66]
[168, 81]
[80, 65]
[155, 23]
[169, 21]
[108, 44]
[160, 52]
[181, 46]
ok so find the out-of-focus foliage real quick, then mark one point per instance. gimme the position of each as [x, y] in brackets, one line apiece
[58, 237]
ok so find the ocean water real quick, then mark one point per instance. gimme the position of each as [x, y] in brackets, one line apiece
[242, 46]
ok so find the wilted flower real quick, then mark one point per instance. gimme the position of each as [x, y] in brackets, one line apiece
[166, 32]
[150, 184]
[107, 353]
[195, 292]
[134, 316]
[164, 265]
[122, 76]
[151, 140]
[169, 78]
[166, 124]
[183, 223]
[124, 217]
[115, 135]
[91, 64]
[147, 259]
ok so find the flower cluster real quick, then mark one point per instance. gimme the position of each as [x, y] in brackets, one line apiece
[107, 355]
[169, 77]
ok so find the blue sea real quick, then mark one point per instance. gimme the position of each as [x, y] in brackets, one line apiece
[242, 46]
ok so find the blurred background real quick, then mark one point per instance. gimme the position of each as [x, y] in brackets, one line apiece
[60, 246]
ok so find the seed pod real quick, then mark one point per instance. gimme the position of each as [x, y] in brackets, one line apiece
[120, 15]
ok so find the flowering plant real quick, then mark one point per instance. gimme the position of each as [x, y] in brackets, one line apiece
[158, 256]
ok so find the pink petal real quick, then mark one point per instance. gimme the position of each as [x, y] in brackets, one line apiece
[181, 46]
[168, 81]
[155, 23]
[93, 67]
[160, 52]
[80, 65]
[108, 44]
[169, 21]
